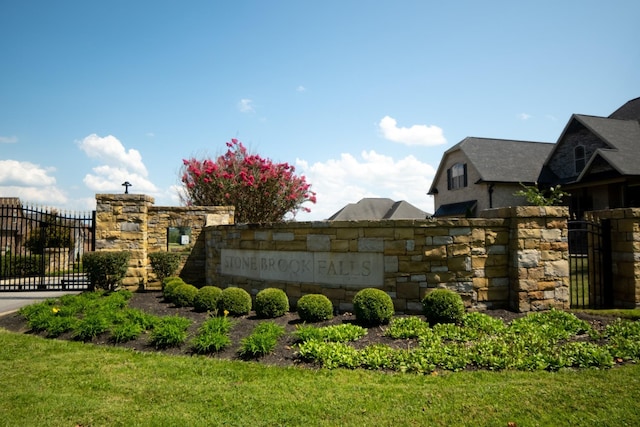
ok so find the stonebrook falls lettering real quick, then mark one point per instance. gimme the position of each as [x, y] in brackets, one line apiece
[356, 269]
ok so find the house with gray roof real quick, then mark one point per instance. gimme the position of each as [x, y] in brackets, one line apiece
[483, 173]
[371, 208]
[597, 160]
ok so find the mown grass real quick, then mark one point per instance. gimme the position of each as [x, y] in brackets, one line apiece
[65, 383]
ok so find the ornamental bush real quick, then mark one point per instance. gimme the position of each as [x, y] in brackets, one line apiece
[164, 264]
[373, 306]
[261, 190]
[207, 299]
[184, 295]
[236, 301]
[315, 308]
[271, 303]
[443, 306]
[169, 285]
[106, 270]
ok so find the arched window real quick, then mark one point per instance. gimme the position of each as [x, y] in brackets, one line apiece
[580, 158]
[457, 176]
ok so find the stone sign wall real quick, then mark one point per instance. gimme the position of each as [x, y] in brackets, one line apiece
[130, 222]
[513, 258]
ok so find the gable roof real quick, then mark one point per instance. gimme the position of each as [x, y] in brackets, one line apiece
[629, 111]
[501, 160]
[621, 137]
[376, 209]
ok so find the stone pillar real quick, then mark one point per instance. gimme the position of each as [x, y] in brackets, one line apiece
[121, 225]
[539, 266]
[625, 254]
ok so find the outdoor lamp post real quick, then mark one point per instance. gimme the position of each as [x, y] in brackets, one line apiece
[126, 186]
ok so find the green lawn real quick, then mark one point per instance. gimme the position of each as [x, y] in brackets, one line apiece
[59, 383]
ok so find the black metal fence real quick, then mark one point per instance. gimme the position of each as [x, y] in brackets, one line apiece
[590, 264]
[41, 248]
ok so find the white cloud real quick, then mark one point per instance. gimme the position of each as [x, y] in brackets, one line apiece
[111, 151]
[301, 89]
[8, 139]
[246, 106]
[119, 165]
[415, 135]
[524, 116]
[348, 179]
[13, 172]
[46, 195]
[30, 182]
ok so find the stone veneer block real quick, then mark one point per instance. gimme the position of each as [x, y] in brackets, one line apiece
[318, 242]
[367, 244]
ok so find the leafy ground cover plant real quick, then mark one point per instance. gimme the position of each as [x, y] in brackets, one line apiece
[262, 340]
[539, 341]
[213, 335]
[335, 333]
[169, 331]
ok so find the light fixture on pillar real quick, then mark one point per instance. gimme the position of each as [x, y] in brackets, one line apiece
[126, 186]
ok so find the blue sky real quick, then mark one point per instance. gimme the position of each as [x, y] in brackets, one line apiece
[363, 97]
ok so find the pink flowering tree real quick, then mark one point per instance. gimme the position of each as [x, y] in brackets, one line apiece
[260, 190]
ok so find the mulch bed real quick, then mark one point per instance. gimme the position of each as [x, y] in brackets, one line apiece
[284, 354]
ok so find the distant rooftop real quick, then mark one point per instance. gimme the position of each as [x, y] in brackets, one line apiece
[378, 208]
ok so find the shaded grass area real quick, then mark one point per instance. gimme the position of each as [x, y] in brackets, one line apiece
[62, 383]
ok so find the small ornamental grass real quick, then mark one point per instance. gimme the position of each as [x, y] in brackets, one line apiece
[271, 303]
[314, 308]
[373, 306]
[213, 335]
[207, 299]
[169, 331]
[236, 301]
[130, 323]
[262, 340]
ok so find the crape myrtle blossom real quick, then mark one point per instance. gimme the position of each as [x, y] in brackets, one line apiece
[261, 190]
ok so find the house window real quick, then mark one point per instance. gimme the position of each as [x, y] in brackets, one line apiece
[457, 176]
[579, 155]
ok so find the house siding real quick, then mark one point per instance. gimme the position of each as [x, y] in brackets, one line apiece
[470, 192]
[563, 162]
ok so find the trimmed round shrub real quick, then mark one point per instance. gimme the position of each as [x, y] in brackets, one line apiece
[168, 286]
[184, 295]
[236, 301]
[314, 308]
[207, 298]
[443, 306]
[373, 306]
[271, 303]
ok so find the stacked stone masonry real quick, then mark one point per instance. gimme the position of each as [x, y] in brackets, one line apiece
[130, 222]
[625, 254]
[513, 258]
